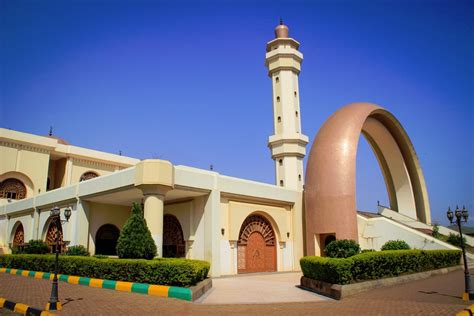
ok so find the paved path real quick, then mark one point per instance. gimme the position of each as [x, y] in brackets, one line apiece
[439, 295]
[259, 289]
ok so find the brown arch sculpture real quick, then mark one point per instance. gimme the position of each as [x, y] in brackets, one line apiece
[330, 188]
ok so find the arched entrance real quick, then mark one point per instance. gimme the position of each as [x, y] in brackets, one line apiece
[174, 245]
[19, 236]
[51, 237]
[330, 188]
[106, 240]
[256, 248]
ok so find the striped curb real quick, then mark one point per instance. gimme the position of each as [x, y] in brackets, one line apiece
[142, 288]
[22, 308]
[468, 311]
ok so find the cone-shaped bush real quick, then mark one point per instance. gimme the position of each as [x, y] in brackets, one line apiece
[135, 239]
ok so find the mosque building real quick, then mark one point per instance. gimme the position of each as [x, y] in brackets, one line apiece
[239, 226]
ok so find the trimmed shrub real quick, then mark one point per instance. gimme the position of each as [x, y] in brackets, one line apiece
[367, 250]
[163, 271]
[377, 265]
[331, 270]
[342, 248]
[78, 250]
[101, 256]
[135, 239]
[32, 247]
[455, 240]
[435, 233]
[395, 245]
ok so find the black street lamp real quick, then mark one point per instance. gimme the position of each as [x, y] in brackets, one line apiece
[460, 215]
[54, 304]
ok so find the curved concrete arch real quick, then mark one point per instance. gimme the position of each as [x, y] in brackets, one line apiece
[13, 230]
[330, 188]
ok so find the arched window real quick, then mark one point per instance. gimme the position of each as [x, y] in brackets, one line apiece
[106, 240]
[51, 237]
[88, 175]
[12, 189]
[19, 237]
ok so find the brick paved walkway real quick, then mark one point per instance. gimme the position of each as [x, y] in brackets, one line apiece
[439, 295]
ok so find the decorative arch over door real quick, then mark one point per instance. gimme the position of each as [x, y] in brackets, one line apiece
[174, 245]
[330, 188]
[106, 240]
[50, 237]
[18, 236]
[256, 248]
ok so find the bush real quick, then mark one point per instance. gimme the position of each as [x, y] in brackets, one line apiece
[367, 250]
[135, 239]
[32, 247]
[455, 240]
[395, 245]
[376, 265]
[78, 250]
[435, 233]
[101, 256]
[342, 248]
[163, 271]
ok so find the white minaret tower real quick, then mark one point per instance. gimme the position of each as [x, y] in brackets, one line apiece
[288, 144]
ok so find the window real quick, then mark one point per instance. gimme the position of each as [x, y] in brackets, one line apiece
[277, 79]
[281, 183]
[295, 94]
[12, 189]
[88, 175]
[280, 162]
[296, 113]
[278, 99]
[299, 177]
[279, 119]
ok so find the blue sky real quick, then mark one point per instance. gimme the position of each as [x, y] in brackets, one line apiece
[186, 81]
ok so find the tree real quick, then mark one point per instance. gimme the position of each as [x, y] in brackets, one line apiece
[135, 239]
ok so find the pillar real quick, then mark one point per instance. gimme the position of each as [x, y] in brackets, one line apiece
[36, 223]
[153, 213]
[80, 224]
[212, 234]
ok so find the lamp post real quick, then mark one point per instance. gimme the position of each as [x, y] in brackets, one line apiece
[54, 303]
[460, 216]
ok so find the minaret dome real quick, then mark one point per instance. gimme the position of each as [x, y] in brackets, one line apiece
[281, 31]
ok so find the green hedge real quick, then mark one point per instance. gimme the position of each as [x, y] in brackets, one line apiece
[377, 265]
[166, 271]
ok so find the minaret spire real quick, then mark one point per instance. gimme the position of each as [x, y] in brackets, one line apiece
[287, 144]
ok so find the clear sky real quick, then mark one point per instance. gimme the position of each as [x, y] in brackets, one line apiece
[186, 81]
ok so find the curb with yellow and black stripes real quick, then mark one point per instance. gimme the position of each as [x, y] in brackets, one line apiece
[468, 311]
[23, 308]
[142, 288]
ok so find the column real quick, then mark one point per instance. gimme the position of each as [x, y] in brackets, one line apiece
[35, 226]
[80, 224]
[212, 234]
[68, 171]
[153, 213]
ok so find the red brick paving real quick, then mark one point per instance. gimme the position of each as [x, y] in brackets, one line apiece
[439, 295]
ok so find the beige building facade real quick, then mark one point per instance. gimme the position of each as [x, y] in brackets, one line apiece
[239, 226]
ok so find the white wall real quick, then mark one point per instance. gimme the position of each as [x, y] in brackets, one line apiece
[375, 232]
